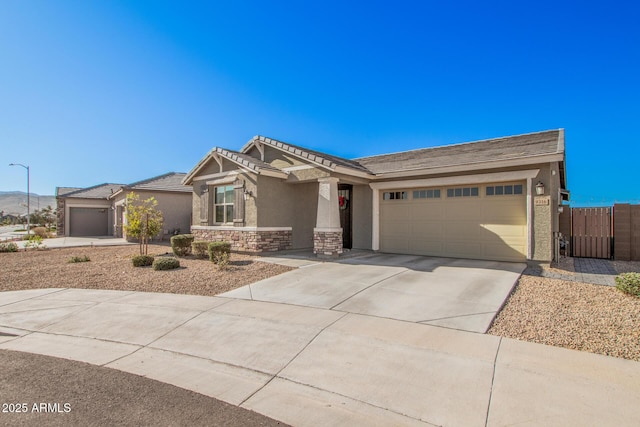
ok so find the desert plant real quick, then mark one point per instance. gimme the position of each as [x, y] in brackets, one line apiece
[223, 260]
[166, 263]
[144, 220]
[629, 283]
[8, 247]
[75, 259]
[200, 248]
[35, 242]
[40, 231]
[216, 251]
[181, 244]
[142, 260]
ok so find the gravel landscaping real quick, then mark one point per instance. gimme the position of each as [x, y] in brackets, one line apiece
[110, 267]
[580, 316]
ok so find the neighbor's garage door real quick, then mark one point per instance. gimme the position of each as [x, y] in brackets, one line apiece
[478, 222]
[88, 221]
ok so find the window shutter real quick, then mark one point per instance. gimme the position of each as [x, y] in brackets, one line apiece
[204, 205]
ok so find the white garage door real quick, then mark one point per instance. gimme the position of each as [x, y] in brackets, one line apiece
[487, 221]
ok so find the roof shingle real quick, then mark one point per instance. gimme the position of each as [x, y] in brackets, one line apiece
[507, 148]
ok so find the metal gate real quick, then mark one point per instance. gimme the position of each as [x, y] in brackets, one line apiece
[591, 232]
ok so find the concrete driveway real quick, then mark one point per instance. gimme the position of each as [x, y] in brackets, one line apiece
[452, 293]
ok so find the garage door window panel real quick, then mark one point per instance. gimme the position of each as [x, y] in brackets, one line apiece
[504, 190]
[426, 194]
[463, 192]
[394, 195]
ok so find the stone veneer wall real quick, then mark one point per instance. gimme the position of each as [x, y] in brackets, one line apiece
[60, 231]
[327, 243]
[251, 240]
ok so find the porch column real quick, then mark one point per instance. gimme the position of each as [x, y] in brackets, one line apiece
[327, 235]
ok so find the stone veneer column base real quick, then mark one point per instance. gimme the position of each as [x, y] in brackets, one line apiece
[247, 239]
[327, 242]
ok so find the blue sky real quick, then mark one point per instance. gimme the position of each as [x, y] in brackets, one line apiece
[118, 91]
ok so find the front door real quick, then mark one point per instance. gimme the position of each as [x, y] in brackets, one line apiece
[345, 192]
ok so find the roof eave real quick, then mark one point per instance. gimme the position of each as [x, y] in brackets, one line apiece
[530, 160]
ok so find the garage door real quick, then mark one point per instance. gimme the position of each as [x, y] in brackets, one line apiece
[486, 221]
[88, 221]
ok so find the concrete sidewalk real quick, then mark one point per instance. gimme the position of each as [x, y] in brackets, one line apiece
[70, 242]
[313, 366]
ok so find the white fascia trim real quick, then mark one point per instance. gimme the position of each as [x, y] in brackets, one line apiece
[475, 166]
[298, 168]
[457, 180]
[231, 228]
[275, 174]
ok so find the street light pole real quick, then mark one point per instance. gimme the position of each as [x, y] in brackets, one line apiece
[28, 197]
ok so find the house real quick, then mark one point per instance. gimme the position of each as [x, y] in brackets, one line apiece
[85, 211]
[495, 199]
[101, 210]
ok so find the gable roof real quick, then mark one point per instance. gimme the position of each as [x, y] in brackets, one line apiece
[100, 191]
[61, 191]
[517, 150]
[322, 159]
[241, 159]
[171, 181]
[527, 146]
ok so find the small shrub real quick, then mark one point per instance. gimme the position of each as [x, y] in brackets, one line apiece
[200, 248]
[35, 242]
[629, 283]
[142, 260]
[216, 249]
[75, 259]
[181, 244]
[223, 260]
[41, 232]
[8, 247]
[166, 263]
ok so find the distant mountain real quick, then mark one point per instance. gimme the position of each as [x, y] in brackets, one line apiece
[14, 202]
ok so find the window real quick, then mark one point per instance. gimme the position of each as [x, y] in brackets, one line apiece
[463, 192]
[500, 190]
[223, 204]
[394, 195]
[426, 194]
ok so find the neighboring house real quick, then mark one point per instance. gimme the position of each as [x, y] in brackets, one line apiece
[101, 210]
[85, 211]
[477, 200]
[174, 201]
[9, 218]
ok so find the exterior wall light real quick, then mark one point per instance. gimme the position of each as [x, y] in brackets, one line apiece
[540, 188]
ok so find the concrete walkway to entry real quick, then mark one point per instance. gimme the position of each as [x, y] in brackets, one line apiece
[316, 366]
[454, 293]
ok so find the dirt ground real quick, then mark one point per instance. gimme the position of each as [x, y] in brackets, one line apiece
[111, 268]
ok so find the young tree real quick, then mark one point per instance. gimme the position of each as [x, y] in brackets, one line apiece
[45, 217]
[143, 220]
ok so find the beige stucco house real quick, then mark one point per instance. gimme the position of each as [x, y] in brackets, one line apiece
[494, 199]
[101, 210]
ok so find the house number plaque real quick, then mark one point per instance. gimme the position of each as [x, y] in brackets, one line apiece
[542, 201]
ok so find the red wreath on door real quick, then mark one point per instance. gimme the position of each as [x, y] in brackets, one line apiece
[342, 200]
